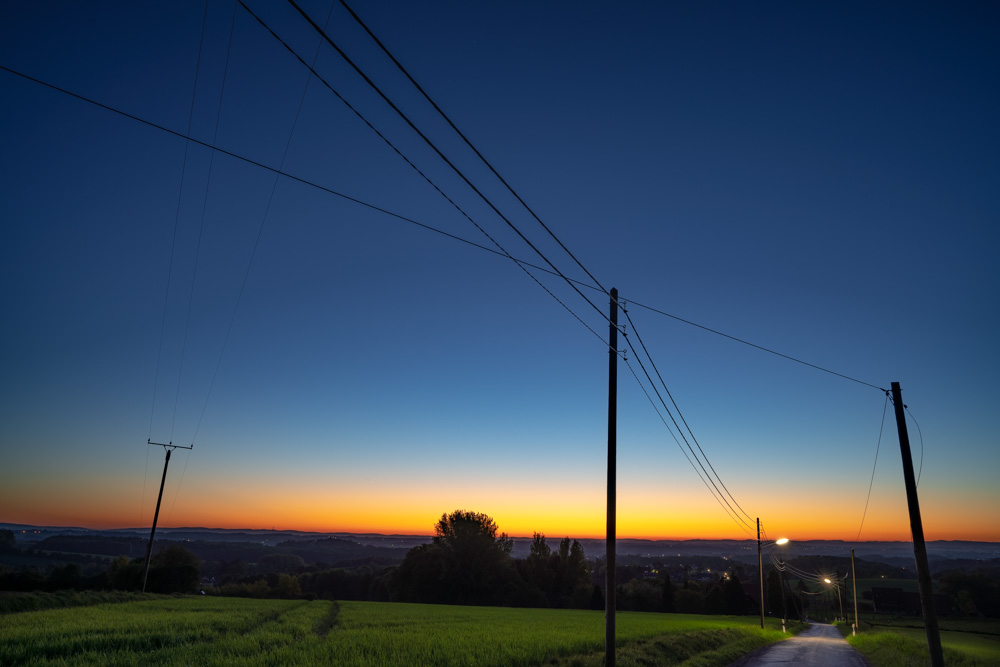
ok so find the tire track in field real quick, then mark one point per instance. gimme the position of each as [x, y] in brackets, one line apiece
[325, 624]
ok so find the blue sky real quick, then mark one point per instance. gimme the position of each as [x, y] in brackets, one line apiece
[817, 180]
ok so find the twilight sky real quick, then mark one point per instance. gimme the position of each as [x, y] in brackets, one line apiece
[821, 181]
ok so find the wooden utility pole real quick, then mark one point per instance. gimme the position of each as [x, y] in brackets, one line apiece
[854, 580]
[917, 529]
[149, 548]
[760, 572]
[609, 598]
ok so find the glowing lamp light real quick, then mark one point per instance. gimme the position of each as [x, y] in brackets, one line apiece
[781, 540]
[828, 581]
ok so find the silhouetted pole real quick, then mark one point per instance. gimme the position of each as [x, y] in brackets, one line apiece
[854, 580]
[152, 533]
[609, 598]
[760, 571]
[149, 548]
[917, 529]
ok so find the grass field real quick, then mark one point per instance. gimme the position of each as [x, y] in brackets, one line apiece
[972, 643]
[200, 630]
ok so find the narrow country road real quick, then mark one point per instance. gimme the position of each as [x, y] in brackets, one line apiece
[819, 646]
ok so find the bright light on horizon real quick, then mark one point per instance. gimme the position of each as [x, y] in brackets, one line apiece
[781, 540]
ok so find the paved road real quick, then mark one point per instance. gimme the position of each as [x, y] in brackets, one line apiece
[819, 646]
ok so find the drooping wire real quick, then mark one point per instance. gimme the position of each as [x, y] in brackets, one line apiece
[679, 413]
[759, 347]
[260, 228]
[467, 142]
[440, 154]
[204, 206]
[503, 251]
[920, 470]
[170, 264]
[731, 513]
[878, 445]
[403, 218]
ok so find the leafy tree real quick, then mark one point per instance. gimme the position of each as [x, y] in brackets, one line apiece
[475, 558]
[537, 564]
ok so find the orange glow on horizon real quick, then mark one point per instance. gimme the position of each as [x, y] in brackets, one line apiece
[412, 507]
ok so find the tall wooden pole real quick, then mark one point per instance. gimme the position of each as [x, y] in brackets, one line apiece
[760, 571]
[609, 598]
[152, 533]
[854, 580]
[917, 529]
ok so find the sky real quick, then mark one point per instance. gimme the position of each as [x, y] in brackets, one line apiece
[816, 179]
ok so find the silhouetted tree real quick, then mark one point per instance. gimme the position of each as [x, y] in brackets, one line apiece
[7, 540]
[667, 594]
[174, 570]
[736, 599]
[774, 594]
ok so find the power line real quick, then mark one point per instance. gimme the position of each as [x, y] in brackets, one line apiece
[467, 142]
[503, 251]
[679, 413]
[920, 470]
[759, 347]
[411, 221]
[728, 510]
[170, 264]
[440, 154]
[878, 445]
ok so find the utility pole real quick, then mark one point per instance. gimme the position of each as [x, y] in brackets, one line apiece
[854, 580]
[917, 529]
[149, 548]
[609, 598]
[760, 571]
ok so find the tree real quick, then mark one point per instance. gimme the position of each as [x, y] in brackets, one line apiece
[775, 606]
[174, 570]
[476, 559]
[7, 540]
[667, 594]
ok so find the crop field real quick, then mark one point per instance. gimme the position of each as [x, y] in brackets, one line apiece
[208, 630]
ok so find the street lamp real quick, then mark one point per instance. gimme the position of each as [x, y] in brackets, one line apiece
[839, 600]
[760, 574]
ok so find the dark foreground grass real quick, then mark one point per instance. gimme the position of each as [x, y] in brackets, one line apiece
[218, 631]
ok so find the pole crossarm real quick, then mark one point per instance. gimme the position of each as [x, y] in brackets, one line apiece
[169, 444]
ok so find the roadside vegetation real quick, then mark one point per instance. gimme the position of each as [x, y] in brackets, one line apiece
[903, 642]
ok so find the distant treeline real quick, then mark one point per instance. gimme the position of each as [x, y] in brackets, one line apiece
[468, 562]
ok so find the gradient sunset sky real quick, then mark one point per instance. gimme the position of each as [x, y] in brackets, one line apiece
[818, 180]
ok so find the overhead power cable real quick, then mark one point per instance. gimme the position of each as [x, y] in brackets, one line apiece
[715, 494]
[409, 220]
[204, 207]
[170, 265]
[440, 154]
[503, 251]
[677, 408]
[467, 142]
[920, 433]
[878, 445]
[759, 347]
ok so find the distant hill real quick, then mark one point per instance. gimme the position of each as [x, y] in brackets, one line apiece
[348, 546]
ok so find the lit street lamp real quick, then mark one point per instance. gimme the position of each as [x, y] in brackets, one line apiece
[839, 600]
[760, 575]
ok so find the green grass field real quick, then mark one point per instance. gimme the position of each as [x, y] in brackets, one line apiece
[966, 643]
[206, 630]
